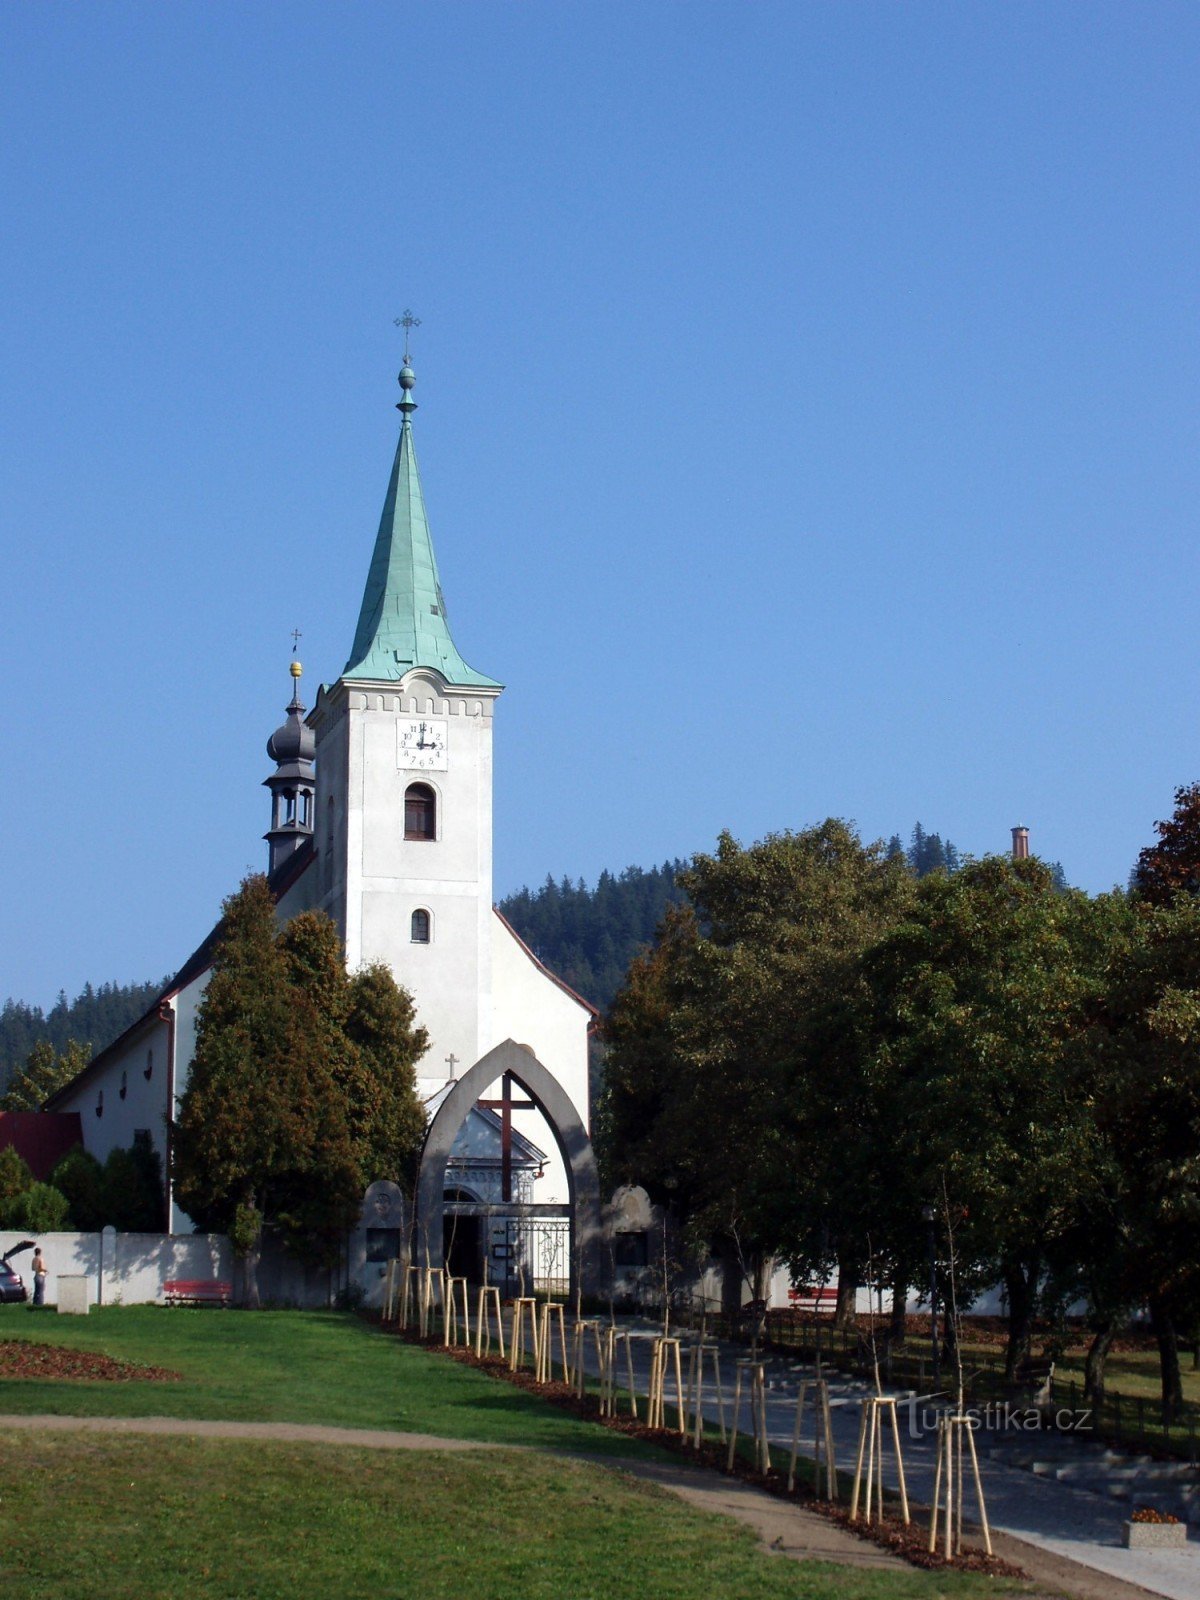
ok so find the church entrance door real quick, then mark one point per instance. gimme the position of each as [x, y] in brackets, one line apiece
[576, 1249]
[462, 1247]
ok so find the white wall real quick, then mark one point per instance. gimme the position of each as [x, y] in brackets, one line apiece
[123, 1268]
[136, 1266]
[530, 1008]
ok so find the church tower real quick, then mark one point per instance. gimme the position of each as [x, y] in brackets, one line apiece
[403, 826]
[293, 783]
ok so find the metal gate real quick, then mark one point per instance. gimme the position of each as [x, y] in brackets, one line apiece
[535, 1256]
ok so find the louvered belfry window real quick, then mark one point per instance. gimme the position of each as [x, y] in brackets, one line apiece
[420, 812]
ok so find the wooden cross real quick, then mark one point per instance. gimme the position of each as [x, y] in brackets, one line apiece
[506, 1105]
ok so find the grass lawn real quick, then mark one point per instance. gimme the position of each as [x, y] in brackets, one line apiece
[1133, 1373]
[288, 1366]
[137, 1518]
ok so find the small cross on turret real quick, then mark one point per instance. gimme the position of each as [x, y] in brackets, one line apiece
[408, 322]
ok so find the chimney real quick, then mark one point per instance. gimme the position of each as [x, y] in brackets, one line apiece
[1020, 844]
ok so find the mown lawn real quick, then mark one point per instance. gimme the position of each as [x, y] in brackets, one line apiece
[1133, 1373]
[287, 1366]
[139, 1518]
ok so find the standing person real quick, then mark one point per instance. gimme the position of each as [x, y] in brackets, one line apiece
[39, 1277]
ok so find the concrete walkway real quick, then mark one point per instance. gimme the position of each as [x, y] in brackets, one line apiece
[1072, 1525]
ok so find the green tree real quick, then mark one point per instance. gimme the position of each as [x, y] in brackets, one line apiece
[979, 999]
[80, 1177]
[91, 1021]
[709, 1040]
[1172, 866]
[39, 1208]
[133, 1198]
[262, 1138]
[43, 1074]
[388, 1117]
[1148, 1083]
[636, 1108]
[15, 1176]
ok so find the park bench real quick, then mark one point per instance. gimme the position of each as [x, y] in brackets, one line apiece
[196, 1292]
[814, 1300]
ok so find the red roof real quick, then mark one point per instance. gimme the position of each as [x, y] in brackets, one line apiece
[41, 1138]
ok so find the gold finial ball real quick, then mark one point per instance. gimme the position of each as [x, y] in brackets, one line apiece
[296, 669]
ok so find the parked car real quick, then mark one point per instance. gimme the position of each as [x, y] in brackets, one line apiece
[12, 1284]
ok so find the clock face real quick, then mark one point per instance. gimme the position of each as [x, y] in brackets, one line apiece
[422, 744]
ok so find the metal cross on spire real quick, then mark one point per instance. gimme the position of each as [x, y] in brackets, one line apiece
[408, 322]
[296, 638]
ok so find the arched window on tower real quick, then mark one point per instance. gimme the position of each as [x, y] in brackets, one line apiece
[420, 927]
[420, 812]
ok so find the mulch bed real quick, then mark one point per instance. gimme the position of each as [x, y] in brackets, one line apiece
[909, 1542]
[22, 1358]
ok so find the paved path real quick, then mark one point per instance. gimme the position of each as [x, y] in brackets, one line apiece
[1071, 1525]
[785, 1528]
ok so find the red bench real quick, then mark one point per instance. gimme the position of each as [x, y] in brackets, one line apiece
[814, 1299]
[196, 1292]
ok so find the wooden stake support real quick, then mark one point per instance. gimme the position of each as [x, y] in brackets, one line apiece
[433, 1288]
[753, 1372]
[665, 1357]
[551, 1321]
[489, 1296]
[422, 1285]
[613, 1338]
[516, 1345]
[579, 1333]
[823, 1455]
[870, 1444]
[392, 1278]
[410, 1289]
[454, 1300]
[948, 1485]
[703, 1353]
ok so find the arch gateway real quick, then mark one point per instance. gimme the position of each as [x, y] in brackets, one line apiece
[583, 1207]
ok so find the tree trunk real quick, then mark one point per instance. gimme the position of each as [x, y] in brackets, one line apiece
[844, 1316]
[250, 1297]
[949, 1345]
[246, 1238]
[897, 1320]
[1097, 1356]
[1021, 1285]
[1168, 1357]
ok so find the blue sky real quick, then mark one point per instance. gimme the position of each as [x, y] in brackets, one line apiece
[808, 400]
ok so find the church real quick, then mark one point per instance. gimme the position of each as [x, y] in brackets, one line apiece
[381, 816]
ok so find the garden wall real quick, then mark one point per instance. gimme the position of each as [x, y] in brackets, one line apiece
[132, 1268]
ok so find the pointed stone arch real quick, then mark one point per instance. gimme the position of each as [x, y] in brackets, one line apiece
[555, 1104]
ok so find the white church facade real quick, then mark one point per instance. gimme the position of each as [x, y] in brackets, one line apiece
[381, 816]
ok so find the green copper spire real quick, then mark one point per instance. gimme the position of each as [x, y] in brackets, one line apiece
[402, 623]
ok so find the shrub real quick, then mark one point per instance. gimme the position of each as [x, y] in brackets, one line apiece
[80, 1177]
[38, 1209]
[15, 1176]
